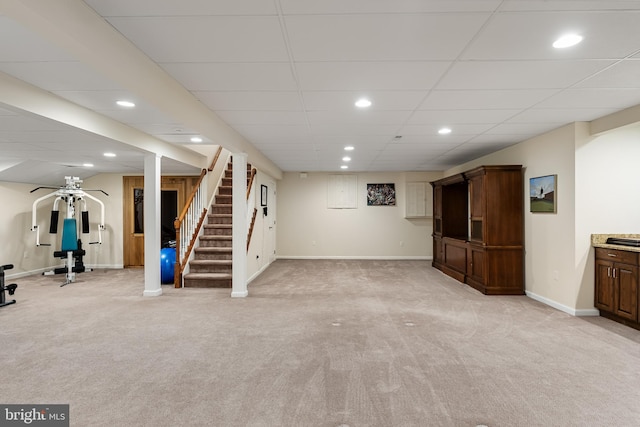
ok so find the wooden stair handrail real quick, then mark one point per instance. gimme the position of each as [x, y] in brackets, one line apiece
[179, 220]
[215, 158]
[250, 184]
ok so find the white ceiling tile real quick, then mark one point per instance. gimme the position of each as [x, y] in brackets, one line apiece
[370, 76]
[344, 100]
[354, 117]
[181, 8]
[559, 116]
[572, 5]
[256, 132]
[286, 118]
[485, 99]
[623, 74]
[296, 7]
[486, 75]
[453, 117]
[525, 129]
[233, 76]
[503, 139]
[531, 36]
[432, 129]
[205, 38]
[379, 37]
[350, 131]
[594, 98]
[251, 100]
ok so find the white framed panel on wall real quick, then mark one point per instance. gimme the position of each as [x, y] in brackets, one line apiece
[342, 192]
[419, 203]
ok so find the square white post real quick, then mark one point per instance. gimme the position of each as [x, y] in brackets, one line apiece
[152, 183]
[239, 228]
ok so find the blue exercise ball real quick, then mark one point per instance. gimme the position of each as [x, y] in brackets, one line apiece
[167, 259]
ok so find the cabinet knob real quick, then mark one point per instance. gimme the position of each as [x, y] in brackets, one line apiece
[613, 255]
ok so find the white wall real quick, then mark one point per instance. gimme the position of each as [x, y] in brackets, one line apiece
[263, 238]
[18, 243]
[110, 253]
[308, 229]
[550, 271]
[607, 196]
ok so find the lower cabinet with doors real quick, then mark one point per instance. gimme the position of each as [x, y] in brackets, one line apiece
[616, 285]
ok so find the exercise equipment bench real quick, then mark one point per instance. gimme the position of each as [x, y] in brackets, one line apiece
[9, 288]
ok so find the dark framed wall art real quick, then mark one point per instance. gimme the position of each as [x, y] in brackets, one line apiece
[263, 195]
[381, 195]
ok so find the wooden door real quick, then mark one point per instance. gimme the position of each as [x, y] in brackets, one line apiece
[133, 223]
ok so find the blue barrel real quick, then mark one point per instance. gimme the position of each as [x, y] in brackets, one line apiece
[167, 260]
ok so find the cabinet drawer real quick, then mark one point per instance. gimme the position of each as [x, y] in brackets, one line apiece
[625, 257]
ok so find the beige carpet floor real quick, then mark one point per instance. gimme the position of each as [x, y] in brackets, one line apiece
[316, 343]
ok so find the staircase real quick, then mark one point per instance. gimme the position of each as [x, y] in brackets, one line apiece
[211, 266]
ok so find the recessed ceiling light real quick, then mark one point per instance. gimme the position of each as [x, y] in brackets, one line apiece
[363, 103]
[349, 148]
[346, 159]
[127, 104]
[444, 131]
[196, 139]
[109, 154]
[567, 40]
[344, 167]
[87, 165]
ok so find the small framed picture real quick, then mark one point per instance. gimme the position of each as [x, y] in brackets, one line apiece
[543, 194]
[381, 195]
[263, 195]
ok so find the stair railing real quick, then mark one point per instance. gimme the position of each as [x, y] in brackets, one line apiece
[251, 205]
[188, 224]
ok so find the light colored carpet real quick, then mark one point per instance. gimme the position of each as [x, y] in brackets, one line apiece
[316, 343]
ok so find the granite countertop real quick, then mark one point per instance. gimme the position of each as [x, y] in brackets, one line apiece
[599, 241]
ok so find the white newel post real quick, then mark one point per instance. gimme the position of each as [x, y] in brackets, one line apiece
[152, 243]
[239, 200]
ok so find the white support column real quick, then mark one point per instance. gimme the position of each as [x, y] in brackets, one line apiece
[239, 200]
[152, 243]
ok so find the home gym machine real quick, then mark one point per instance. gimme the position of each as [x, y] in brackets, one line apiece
[71, 247]
[9, 288]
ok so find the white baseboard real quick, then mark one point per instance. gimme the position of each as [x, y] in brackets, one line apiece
[27, 273]
[388, 258]
[105, 266]
[257, 273]
[564, 308]
[44, 270]
[241, 294]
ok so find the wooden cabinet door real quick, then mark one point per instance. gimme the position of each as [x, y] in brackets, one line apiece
[476, 269]
[604, 295]
[476, 209]
[626, 291]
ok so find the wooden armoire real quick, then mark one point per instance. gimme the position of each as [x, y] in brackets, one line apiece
[478, 228]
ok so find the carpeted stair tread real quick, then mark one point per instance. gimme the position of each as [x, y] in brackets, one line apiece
[213, 249]
[210, 262]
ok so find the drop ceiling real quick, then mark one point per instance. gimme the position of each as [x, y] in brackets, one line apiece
[283, 76]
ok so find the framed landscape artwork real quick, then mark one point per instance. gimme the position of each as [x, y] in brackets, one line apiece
[543, 194]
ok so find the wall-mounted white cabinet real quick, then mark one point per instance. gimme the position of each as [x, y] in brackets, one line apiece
[418, 200]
